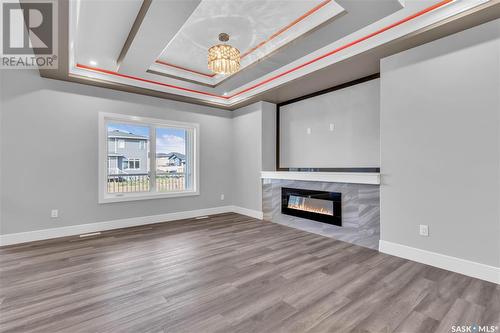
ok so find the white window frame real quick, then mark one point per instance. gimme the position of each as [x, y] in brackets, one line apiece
[136, 161]
[121, 143]
[194, 128]
[133, 160]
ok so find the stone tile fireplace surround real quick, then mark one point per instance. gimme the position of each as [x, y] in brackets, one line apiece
[360, 210]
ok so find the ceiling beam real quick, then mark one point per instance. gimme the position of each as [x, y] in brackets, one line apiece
[133, 31]
[160, 24]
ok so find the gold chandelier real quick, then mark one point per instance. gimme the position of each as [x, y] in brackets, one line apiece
[223, 58]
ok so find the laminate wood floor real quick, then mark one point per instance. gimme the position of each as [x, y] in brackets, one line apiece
[229, 273]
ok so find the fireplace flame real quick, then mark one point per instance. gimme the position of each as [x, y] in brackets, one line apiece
[307, 208]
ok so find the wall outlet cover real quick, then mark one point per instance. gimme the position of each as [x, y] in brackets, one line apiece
[424, 230]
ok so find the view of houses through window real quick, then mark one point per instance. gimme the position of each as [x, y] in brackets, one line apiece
[170, 159]
[129, 163]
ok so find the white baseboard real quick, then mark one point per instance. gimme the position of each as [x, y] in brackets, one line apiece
[30, 236]
[248, 212]
[454, 264]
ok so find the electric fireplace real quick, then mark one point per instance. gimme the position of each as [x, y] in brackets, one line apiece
[319, 206]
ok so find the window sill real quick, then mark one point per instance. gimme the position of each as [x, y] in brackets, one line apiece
[143, 196]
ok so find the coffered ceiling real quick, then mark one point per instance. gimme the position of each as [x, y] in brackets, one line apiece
[159, 47]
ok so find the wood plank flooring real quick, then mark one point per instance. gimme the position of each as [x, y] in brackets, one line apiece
[229, 273]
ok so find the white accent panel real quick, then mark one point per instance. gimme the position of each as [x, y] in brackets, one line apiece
[338, 129]
[372, 178]
[454, 264]
[30, 236]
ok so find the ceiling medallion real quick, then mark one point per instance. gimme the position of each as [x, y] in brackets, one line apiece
[223, 58]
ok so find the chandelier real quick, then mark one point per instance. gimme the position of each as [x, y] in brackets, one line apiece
[223, 58]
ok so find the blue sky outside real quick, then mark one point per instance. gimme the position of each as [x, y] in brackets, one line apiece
[167, 139]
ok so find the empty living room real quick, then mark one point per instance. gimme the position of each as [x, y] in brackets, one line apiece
[281, 166]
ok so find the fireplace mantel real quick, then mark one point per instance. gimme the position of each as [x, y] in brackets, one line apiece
[371, 178]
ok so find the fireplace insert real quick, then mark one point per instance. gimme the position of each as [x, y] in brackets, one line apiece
[319, 206]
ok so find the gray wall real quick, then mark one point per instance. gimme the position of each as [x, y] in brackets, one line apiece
[49, 152]
[440, 139]
[268, 136]
[253, 151]
[355, 139]
[1, 140]
[247, 143]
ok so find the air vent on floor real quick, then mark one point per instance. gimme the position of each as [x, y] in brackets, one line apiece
[90, 234]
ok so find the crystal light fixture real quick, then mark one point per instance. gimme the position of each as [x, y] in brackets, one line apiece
[223, 58]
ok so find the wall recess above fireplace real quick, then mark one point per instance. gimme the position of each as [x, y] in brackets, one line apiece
[319, 206]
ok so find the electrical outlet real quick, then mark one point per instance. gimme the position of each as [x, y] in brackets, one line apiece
[424, 230]
[332, 127]
[309, 130]
[54, 213]
[222, 197]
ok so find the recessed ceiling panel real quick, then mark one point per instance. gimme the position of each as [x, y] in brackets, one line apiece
[256, 28]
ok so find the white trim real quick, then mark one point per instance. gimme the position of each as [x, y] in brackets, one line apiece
[248, 212]
[147, 196]
[371, 178]
[454, 264]
[194, 132]
[74, 230]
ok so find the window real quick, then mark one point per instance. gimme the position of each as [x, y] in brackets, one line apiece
[143, 168]
[133, 163]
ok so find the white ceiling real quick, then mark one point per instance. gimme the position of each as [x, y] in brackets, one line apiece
[301, 37]
[97, 40]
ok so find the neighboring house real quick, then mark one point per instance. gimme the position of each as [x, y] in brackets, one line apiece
[127, 153]
[171, 162]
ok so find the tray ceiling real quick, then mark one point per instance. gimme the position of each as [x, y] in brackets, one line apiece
[256, 28]
[161, 46]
